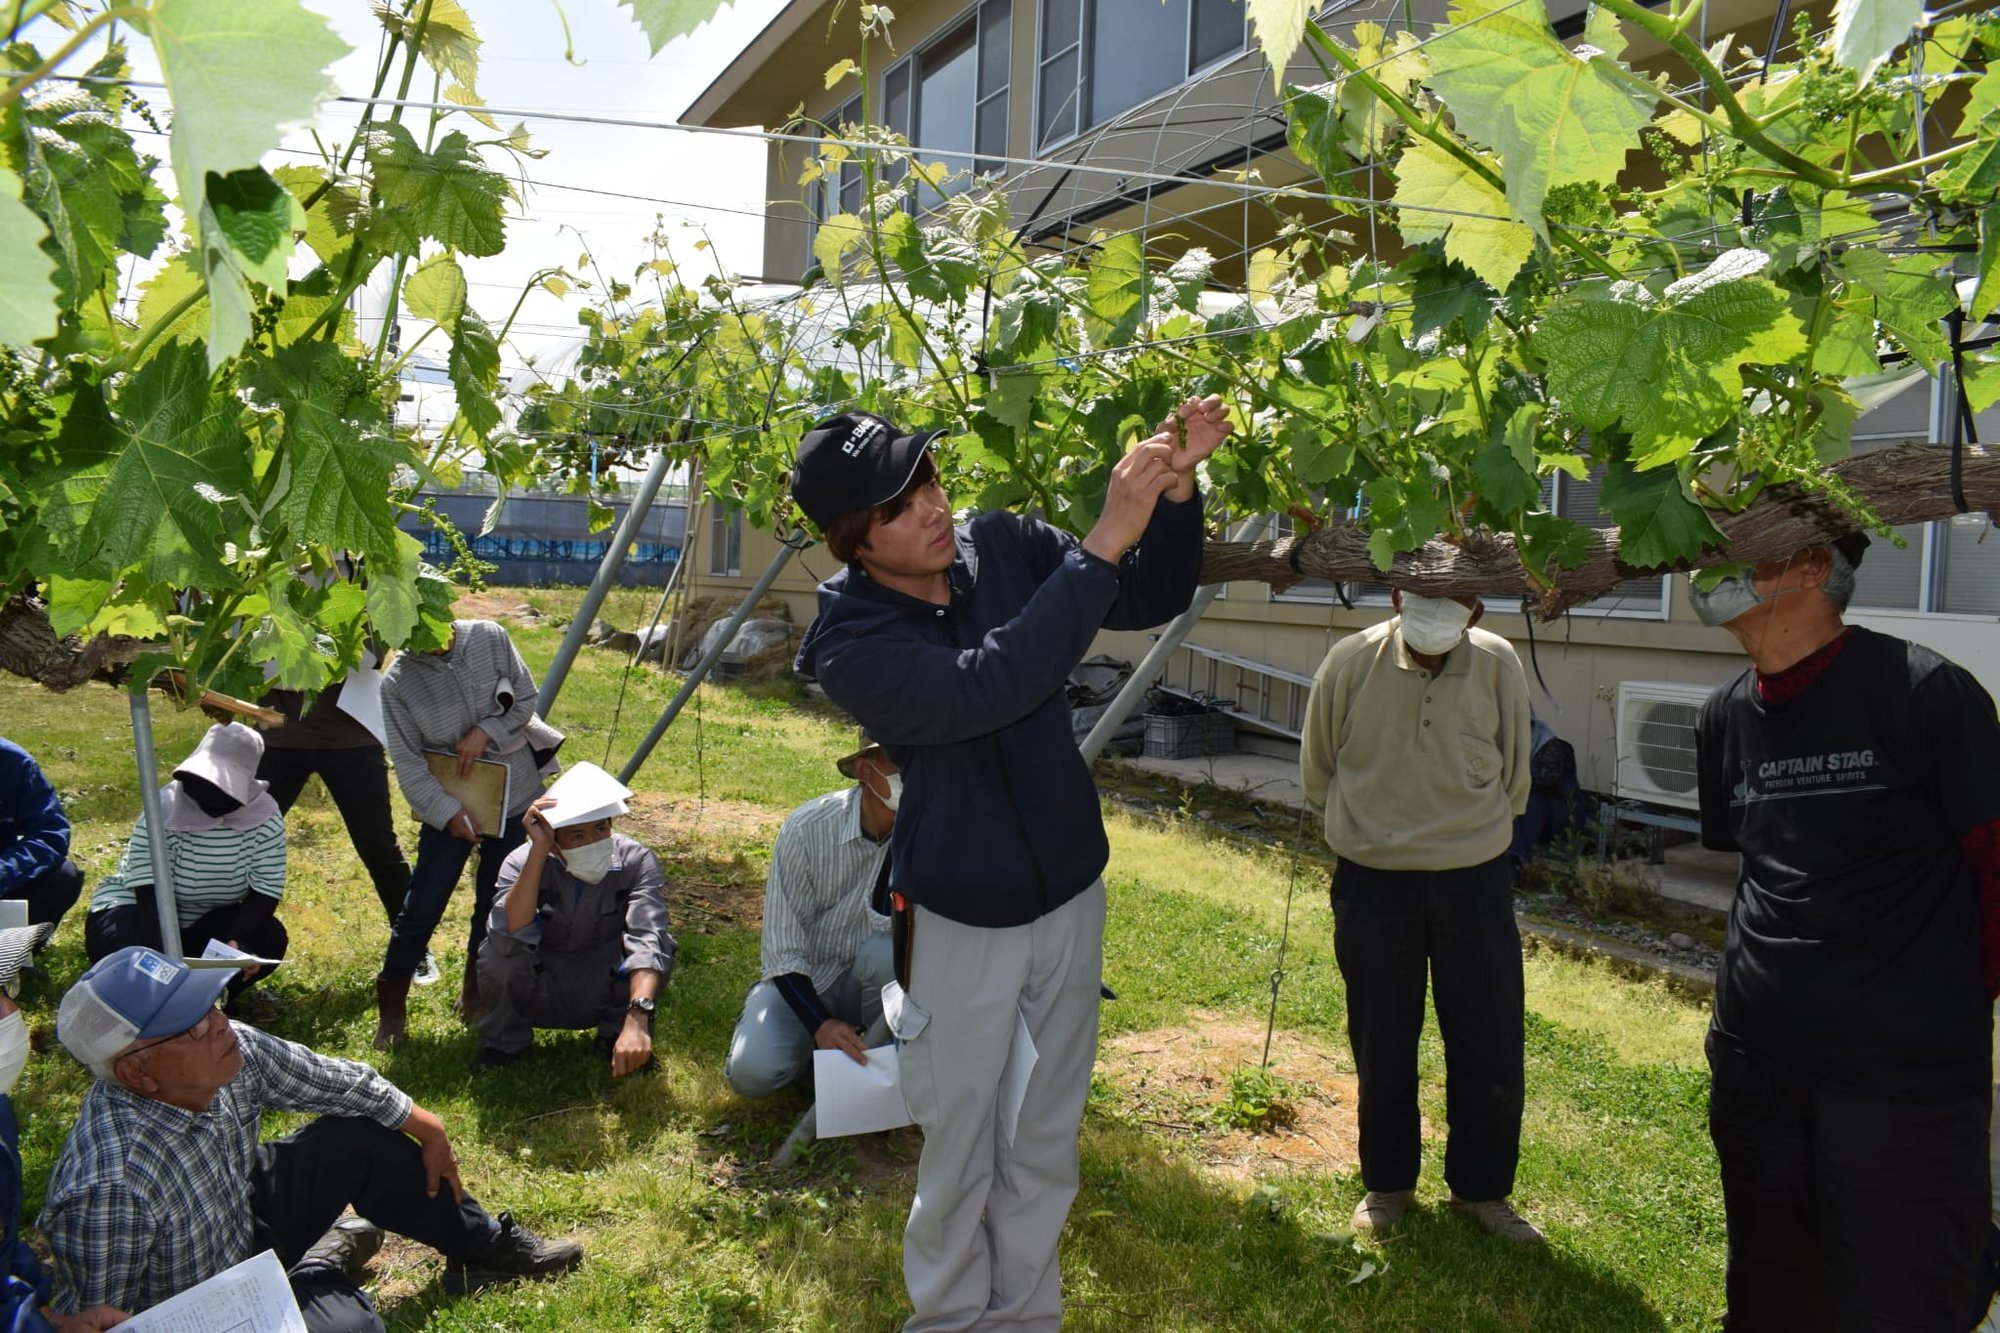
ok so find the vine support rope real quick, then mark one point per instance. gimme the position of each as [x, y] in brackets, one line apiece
[786, 551]
[607, 573]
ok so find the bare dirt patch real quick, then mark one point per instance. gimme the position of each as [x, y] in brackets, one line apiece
[1175, 1080]
[710, 882]
[495, 606]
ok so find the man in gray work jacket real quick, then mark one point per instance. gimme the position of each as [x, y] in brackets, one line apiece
[578, 939]
[951, 646]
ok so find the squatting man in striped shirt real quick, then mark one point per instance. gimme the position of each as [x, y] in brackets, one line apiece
[826, 952]
[162, 1182]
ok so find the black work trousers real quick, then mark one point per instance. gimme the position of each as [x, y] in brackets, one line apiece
[1392, 931]
[300, 1184]
[1846, 1212]
[50, 894]
[357, 779]
[107, 931]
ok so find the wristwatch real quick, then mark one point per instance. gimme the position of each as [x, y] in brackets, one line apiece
[643, 1004]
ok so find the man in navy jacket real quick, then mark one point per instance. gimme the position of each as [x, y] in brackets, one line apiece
[951, 645]
[34, 839]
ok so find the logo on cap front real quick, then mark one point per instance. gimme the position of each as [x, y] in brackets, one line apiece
[156, 967]
[860, 437]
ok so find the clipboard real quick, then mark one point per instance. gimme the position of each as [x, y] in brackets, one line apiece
[483, 793]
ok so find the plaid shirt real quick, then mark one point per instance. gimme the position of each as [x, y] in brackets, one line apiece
[149, 1199]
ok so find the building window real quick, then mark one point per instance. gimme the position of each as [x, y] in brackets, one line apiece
[839, 190]
[1100, 58]
[725, 542]
[1577, 501]
[1951, 567]
[949, 98]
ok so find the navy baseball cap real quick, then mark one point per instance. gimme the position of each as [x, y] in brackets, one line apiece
[129, 996]
[856, 460]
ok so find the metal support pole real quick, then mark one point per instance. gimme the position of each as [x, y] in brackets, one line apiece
[786, 551]
[156, 833]
[1155, 660]
[607, 573]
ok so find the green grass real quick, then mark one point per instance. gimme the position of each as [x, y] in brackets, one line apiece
[665, 1178]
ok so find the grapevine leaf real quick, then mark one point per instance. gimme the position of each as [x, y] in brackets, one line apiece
[1905, 299]
[81, 174]
[1318, 456]
[664, 20]
[1280, 25]
[448, 195]
[1188, 276]
[1657, 523]
[1550, 543]
[451, 44]
[1867, 32]
[393, 600]
[176, 280]
[1403, 514]
[1554, 116]
[904, 246]
[1395, 60]
[1975, 175]
[1025, 320]
[1439, 197]
[239, 75]
[1442, 295]
[1011, 399]
[474, 368]
[27, 287]
[1117, 289]
[339, 457]
[287, 641]
[1502, 484]
[1667, 369]
[437, 291]
[1312, 130]
[74, 603]
[158, 503]
[1986, 295]
[836, 236]
[1982, 380]
[247, 226]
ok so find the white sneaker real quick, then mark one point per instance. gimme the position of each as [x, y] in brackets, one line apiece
[1498, 1217]
[427, 971]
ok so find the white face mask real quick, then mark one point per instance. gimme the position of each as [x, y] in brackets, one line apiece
[895, 796]
[13, 1050]
[590, 862]
[1433, 626]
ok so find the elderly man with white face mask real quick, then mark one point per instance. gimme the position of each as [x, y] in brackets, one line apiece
[578, 936]
[1415, 750]
[1849, 1054]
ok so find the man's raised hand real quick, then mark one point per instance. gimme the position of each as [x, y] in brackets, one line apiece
[1138, 480]
[1194, 430]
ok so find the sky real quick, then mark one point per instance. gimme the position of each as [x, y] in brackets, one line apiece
[701, 184]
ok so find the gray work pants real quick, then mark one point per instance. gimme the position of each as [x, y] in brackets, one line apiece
[527, 989]
[771, 1048]
[979, 1252]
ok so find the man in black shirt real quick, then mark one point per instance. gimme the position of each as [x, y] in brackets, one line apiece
[1850, 1087]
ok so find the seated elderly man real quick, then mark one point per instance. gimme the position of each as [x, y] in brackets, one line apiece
[826, 947]
[162, 1183]
[578, 937]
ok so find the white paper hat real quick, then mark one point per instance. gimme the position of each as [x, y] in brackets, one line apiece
[585, 794]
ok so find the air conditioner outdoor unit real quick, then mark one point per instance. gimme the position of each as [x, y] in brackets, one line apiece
[1656, 720]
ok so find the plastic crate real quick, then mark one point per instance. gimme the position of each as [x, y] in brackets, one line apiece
[1189, 735]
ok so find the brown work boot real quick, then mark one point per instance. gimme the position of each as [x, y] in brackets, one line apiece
[1498, 1217]
[392, 1011]
[1381, 1209]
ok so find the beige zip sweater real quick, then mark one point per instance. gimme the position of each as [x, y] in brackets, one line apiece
[1412, 771]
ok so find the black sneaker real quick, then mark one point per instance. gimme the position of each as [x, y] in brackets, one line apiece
[488, 1058]
[515, 1252]
[346, 1247]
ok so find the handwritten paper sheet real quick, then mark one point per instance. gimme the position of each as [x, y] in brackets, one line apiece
[253, 1297]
